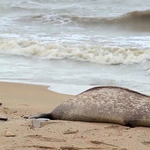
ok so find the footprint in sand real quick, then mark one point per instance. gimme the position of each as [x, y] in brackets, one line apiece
[45, 139]
[146, 143]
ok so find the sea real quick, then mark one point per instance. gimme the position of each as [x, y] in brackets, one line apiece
[73, 45]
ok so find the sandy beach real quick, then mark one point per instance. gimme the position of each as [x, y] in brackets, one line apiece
[18, 133]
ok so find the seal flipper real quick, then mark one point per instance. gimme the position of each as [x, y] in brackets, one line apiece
[43, 115]
[131, 123]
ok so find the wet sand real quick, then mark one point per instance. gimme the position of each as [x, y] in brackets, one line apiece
[18, 133]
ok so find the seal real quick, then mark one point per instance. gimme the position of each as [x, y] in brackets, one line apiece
[105, 104]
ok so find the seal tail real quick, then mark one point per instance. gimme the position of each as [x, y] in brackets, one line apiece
[43, 115]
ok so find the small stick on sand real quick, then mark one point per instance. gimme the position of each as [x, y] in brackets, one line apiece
[0, 103]
[3, 118]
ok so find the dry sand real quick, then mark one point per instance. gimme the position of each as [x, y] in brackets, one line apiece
[20, 100]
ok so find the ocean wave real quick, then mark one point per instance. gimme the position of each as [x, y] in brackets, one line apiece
[23, 8]
[96, 54]
[43, 18]
[135, 20]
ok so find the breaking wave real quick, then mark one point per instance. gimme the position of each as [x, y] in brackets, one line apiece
[96, 54]
[135, 20]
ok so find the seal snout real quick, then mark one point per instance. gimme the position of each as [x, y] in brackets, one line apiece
[43, 115]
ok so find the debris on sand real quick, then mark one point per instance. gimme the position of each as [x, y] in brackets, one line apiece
[3, 118]
[9, 134]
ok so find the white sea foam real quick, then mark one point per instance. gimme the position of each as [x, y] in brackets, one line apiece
[95, 53]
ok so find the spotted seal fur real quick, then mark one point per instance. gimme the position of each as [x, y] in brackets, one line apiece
[105, 104]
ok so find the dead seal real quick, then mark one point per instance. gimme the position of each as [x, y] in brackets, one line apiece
[105, 104]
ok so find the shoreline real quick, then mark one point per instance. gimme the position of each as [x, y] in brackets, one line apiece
[20, 100]
[28, 98]
[29, 94]
[53, 87]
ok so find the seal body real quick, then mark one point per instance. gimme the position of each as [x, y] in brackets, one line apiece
[105, 104]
